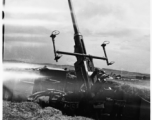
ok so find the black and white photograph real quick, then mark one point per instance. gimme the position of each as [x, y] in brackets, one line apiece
[76, 60]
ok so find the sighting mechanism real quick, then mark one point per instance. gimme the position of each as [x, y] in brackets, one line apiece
[58, 54]
[103, 46]
[79, 48]
[53, 35]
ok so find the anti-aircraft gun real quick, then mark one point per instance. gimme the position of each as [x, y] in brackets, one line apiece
[104, 105]
[84, 64]
[86, 73]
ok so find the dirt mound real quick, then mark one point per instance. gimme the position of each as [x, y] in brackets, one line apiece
[32, 111]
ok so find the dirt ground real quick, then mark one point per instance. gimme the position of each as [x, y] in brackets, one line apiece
[32, 111]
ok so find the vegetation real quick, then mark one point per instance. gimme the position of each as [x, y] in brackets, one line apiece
[32, 111]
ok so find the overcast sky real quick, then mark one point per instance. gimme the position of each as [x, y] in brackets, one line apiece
[125, 23]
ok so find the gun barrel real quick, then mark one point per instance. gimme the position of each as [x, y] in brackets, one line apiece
[76, 30]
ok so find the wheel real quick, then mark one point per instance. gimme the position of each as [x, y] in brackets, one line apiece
[7, 94]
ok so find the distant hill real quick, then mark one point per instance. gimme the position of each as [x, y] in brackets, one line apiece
[127, 74]
[70, 67]
[124, 73]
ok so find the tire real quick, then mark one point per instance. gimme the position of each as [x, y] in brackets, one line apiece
[7, 94]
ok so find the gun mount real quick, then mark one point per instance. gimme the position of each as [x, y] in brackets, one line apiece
[84, 63]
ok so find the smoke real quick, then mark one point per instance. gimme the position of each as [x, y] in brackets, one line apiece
[18, 65]
[19, 79]
[22, 79]
[19, 76]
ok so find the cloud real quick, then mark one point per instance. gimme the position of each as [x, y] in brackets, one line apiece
[33, 22]
[125, 23]
[100, 8]
[28, 51]
[23, 35]
[28, 10]
[36, 30]
[117, 33]
[22, 44]
[142, 43]
[114, 17]
[41, 12]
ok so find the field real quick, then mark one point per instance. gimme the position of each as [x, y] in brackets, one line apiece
[17, 72]
[32, 111]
